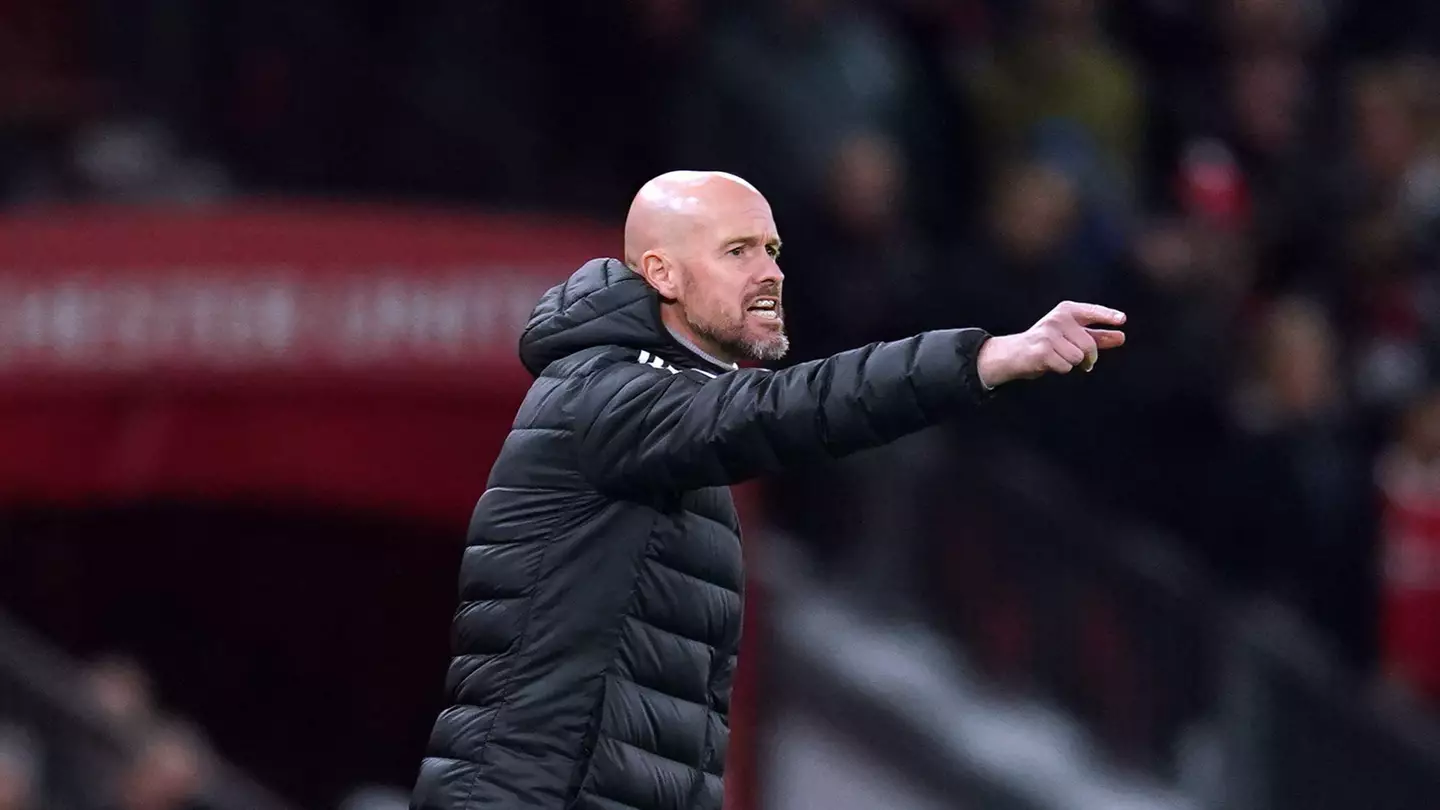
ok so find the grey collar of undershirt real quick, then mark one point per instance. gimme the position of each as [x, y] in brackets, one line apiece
[701, 352]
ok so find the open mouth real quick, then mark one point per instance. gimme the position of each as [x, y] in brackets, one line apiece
[768, 308]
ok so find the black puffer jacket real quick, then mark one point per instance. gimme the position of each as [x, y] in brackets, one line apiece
[601, 587]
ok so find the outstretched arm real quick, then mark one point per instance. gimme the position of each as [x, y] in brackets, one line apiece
[642, 429]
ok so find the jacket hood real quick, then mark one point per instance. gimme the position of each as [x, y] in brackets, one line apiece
[604, 303]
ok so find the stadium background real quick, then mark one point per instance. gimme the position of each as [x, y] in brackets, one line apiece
[262, 266]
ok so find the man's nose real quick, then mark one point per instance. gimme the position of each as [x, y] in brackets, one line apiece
[770, 273]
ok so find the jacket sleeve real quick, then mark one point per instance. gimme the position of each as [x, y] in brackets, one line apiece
[642, 429]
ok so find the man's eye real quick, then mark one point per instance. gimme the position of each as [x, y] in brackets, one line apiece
[773, 251]
[737, 251]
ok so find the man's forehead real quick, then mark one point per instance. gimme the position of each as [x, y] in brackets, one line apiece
[752, 219]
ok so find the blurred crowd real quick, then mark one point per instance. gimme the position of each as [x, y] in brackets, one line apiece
[1257, 182]
[167, 764]
[165, 769]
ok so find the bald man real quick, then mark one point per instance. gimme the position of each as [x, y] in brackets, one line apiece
[602, 583]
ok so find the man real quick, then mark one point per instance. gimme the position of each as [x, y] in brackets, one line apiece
[601, 588]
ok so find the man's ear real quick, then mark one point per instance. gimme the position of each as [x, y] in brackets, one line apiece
[660, 272]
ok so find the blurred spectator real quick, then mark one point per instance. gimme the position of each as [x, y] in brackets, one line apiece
[860, 273]
[1299, 503]
[121, 690]
[1397, 141]
[168, 771]
[1390, 284]
[1027, 256]
[1018, 267]
[858, 269]
[1187, 282]
[1409, 479]
[137, 160]
[1390, 304]
[1270, 114]
[1057, 68]
[1259, 101]
[19, 771]
[783, 85]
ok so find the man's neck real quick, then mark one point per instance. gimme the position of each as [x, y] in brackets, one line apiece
[703, 355]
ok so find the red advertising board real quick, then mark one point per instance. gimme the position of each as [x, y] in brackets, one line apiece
[355, 355]
[296, 291]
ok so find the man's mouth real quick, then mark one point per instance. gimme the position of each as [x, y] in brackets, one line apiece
[765, 307]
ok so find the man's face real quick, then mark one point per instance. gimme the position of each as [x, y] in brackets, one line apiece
[730, 283]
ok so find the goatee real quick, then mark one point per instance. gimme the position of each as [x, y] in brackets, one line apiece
[735, 343]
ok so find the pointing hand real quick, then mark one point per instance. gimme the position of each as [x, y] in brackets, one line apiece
[1064, 339]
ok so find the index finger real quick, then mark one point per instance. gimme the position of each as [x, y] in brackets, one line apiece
[1087, 314]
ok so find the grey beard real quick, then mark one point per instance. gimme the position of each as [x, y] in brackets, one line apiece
[764, 351]
[760, 351]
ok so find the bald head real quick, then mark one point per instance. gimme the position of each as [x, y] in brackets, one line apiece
[706, 241]
[670, 208]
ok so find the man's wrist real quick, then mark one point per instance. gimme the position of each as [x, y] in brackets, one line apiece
[988, 361]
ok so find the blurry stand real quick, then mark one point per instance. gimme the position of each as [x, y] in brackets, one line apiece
[1058, 658]
[1296, 736]
[867, 713]
[44, 691]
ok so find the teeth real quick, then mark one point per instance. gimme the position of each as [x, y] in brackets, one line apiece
[767, 308]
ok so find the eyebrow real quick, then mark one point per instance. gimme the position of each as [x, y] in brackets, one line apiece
[753, 240]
